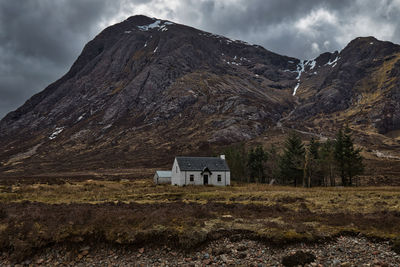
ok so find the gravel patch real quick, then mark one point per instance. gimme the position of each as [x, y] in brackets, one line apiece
[344, 252]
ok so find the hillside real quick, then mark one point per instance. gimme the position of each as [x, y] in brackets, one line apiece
[145, 90]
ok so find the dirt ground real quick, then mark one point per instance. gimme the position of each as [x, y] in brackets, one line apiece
[136, 213]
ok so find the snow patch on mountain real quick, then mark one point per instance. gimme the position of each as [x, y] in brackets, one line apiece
[81, 117]
[56, 132]
[158, 24]
[333, 63]
[308, 64]
[311, 63]
[296, 87]
[300, 69]
[155, 24]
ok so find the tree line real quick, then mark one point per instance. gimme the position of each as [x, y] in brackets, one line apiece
[298, 164]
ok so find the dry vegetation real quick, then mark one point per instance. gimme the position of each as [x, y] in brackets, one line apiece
[137, 212]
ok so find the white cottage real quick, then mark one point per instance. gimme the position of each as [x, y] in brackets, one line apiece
[162, 177]
[200, 171]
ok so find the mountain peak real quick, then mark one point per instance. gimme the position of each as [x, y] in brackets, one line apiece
[370, 43]
[141, 19]
[363, 40]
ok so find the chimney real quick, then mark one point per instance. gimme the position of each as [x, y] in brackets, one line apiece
[222, 156]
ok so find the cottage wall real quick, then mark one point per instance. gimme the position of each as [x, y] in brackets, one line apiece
[177, 177]
[162, 180]
[198, 178]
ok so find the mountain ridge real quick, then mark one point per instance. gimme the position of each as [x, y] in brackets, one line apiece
[146, 89]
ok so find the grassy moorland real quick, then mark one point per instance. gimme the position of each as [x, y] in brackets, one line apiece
[139, 213]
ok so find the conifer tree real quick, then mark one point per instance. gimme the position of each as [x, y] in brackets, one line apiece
[327, 162]
[237, 160]
[255, 163]
[272, 165]
[291, 164]
[340, 156]
[354, 165]
[348, 158]
[314, 148]
[312, 174]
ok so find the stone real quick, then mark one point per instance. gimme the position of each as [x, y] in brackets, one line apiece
[221, 250]
[242, 255]
[84, 248]
[206, 262]
[242, 248]
[39, 261]
[223, 258]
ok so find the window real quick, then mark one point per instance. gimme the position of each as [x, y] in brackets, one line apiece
[219, 178]
[176, 169]
[191, 177]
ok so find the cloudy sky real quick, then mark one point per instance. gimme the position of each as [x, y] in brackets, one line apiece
[40, 39]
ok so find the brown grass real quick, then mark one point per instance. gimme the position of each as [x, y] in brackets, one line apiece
[137, 213]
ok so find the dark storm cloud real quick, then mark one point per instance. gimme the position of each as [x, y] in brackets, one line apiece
[297, 28]
[40, 39]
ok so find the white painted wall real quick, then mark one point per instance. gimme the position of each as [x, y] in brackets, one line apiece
[183, 178]
[161, 180]
[225, 178]
[176, 175]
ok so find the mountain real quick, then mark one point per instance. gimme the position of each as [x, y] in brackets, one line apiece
[145, 90]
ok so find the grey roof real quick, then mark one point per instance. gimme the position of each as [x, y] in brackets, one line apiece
[199, 163]
[163, 174]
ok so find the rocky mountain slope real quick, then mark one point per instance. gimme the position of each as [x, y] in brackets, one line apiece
[145, 90]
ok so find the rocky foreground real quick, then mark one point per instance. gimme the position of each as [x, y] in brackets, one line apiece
[345, 251]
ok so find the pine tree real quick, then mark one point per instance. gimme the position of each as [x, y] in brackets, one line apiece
[291, 164]
[327, 162]
[255, 163]
[314, 148]
[354, 165]
[348, 158]
[272, 170]
[340, 156]
[312, 173]
[236, 157]
[307, 169]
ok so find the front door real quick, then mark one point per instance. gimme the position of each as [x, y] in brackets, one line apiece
[205, 177]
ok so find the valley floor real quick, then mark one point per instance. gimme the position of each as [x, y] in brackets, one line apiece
[133, 221]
